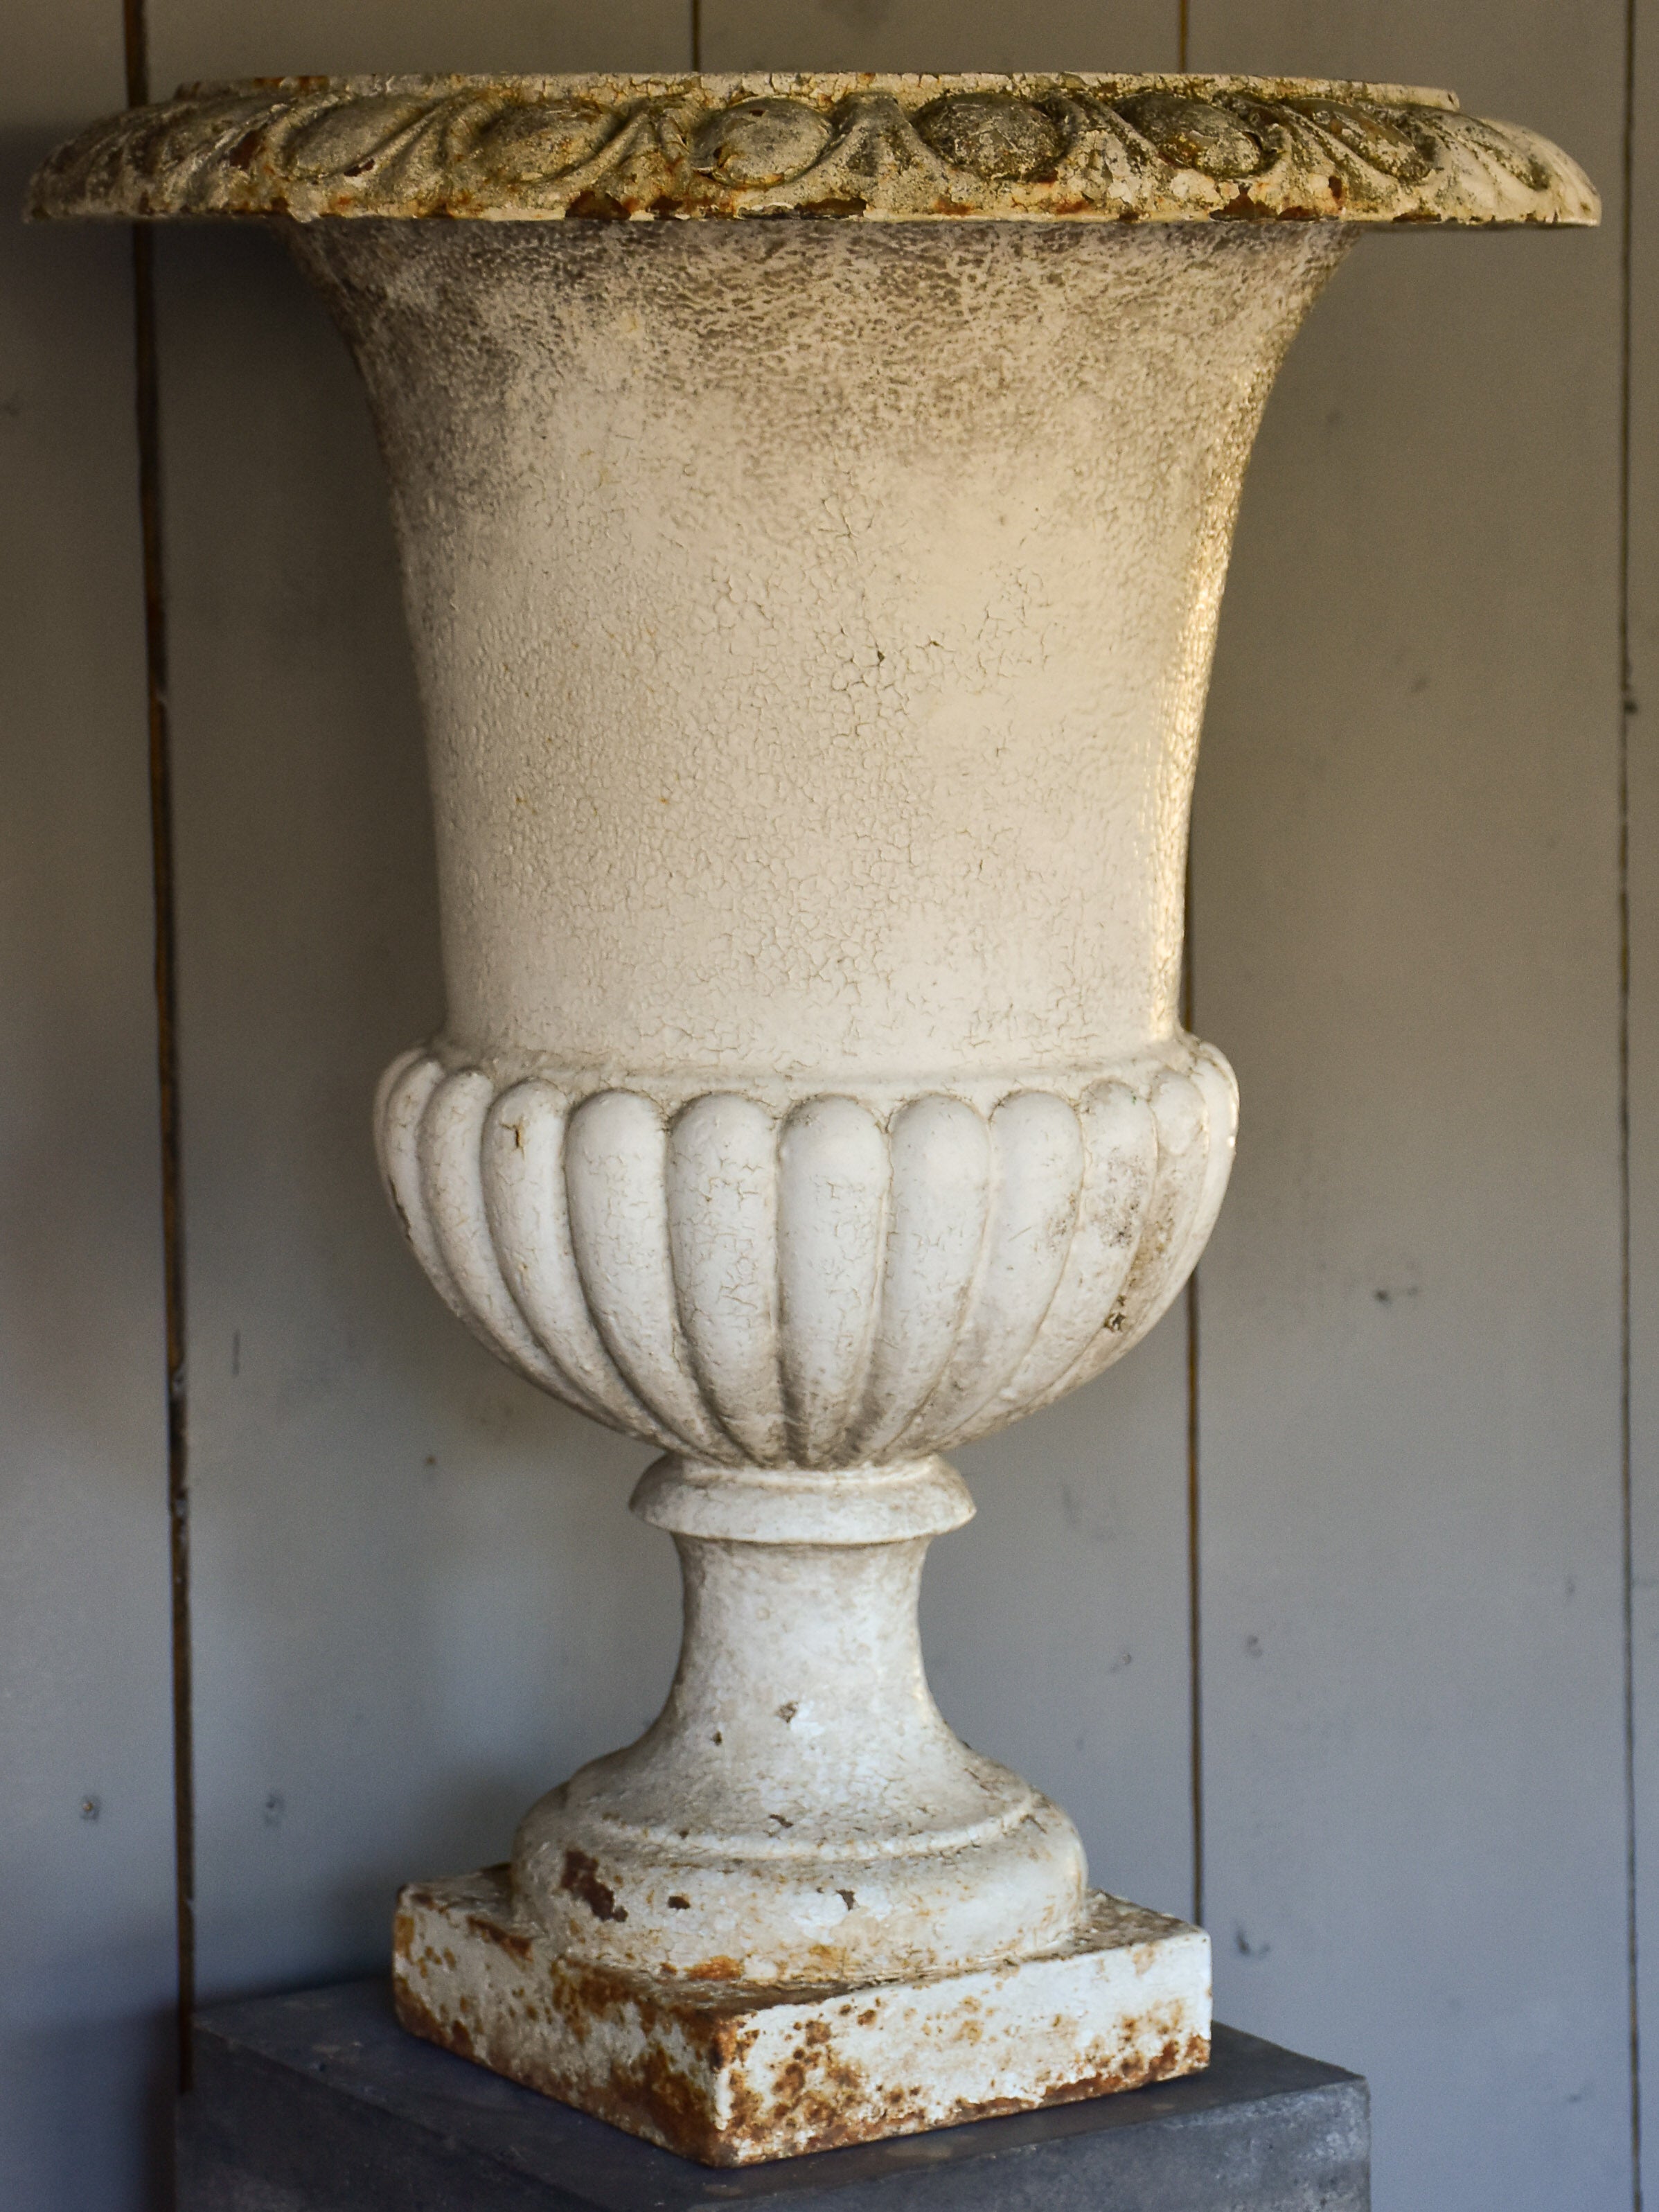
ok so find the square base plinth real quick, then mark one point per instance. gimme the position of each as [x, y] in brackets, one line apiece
[732, 2073]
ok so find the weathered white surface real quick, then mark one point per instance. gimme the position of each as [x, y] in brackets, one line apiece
[792, 716]
[729, 2074]
[400, 1649]
[799, 1812]
[1055, 1625]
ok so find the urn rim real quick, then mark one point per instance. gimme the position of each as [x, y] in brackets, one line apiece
[1065, 147]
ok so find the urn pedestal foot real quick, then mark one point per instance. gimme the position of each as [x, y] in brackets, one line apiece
[732, 2072]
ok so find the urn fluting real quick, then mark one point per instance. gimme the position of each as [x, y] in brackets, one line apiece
[814, 495]
[824, 1281]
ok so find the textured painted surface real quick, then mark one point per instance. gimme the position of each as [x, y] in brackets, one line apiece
[194, 38]
[790, 716]
[730, 2074]
[395, 1601]
[1151, 148]
[418, 1593]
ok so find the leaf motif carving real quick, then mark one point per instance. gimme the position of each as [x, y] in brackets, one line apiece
[894, 149]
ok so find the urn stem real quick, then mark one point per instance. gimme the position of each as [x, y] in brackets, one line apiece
[800, 1811]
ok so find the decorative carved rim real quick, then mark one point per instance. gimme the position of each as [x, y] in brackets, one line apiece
[887, 148]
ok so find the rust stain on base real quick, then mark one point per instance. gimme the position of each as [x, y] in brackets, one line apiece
[730, 2072]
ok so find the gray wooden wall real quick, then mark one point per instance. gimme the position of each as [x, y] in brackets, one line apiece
[1426, 1767]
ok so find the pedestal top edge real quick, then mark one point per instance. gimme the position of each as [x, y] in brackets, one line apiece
[1107, 1924]
[1053, 147]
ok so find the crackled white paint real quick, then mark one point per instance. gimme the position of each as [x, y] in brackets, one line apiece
[813, 623]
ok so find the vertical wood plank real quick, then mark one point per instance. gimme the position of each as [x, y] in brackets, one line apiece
[1055, 1625]
[1643, 761]
[1406, 862]
[86, 1822]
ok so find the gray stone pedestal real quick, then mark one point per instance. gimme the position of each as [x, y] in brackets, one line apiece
[319, 2102]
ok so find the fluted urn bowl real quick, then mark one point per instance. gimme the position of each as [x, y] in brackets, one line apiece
[814, 495]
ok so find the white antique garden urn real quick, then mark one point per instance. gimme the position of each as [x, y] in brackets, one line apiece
[814, 495]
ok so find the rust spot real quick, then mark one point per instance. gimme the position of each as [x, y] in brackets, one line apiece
[600, 206]
[1244, 207]
[687, 2042]
[717, 1969]
[821, 2102]
[507, 1939]
[673, 2108]
[582, 1878]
